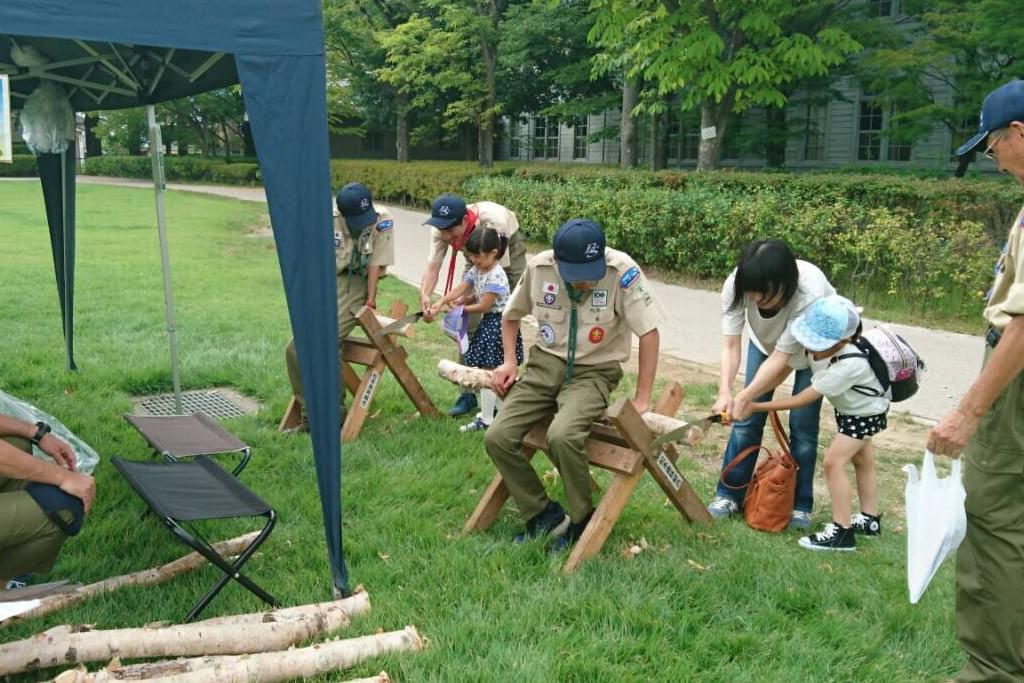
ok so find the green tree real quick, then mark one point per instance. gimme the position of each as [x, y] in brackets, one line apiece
[722, 56]
[936, 65]
[123, 131]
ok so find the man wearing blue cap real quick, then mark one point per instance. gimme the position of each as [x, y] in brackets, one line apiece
[589, 301]
[988, 428]
[452, 221]
[363, 249]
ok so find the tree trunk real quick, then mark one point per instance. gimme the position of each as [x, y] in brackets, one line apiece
[247, 141]
[627, 135]
[659, 141]
[777, 135]
[93, 145]
[134, 147]
[489, 49]
[402, 129]
[710, 150]
[227, 141]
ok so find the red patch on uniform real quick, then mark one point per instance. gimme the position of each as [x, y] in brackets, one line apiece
[596, 335]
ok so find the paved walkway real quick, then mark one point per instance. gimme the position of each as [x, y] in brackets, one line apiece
[692, 331]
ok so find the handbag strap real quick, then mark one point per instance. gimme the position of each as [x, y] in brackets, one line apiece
[740, 457]
[780, 431]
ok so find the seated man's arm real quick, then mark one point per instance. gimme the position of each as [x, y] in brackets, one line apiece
[16, 464]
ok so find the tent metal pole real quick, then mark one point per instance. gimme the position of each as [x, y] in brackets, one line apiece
[155, 151]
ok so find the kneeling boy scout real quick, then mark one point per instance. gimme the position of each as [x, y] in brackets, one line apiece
[362, 251]
[588, 302]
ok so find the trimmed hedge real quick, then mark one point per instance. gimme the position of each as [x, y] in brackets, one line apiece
[24, 166]
[927, 255]
[184, 169]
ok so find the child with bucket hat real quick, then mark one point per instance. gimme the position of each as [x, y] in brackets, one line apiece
[842, 374]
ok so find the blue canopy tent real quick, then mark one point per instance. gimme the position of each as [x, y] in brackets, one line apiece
[112, 54]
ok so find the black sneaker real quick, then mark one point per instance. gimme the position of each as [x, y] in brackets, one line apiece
[552, 521]
[831, 537]
[866, 525]
[571, 535]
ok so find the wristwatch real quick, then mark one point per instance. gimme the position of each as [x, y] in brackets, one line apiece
[42, 429]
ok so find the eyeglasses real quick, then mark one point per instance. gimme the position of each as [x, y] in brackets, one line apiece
[994, 137]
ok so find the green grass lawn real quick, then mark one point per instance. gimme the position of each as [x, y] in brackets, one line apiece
[701, 604]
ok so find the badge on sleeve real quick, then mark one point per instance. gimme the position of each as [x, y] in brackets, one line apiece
[599, 298]
[551, 288]
[629, 278]
[596, 335]
[547, 334]
[337, 240]
[385, 225]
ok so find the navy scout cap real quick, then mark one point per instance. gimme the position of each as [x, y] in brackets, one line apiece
[446, 211]
[1001, 107]
[355, 203]
[579, 250]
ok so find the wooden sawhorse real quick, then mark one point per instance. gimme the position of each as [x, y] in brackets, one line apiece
[376, 353]
[623, 449]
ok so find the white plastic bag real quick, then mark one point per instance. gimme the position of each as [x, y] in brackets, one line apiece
[86, 458]
[936, 521]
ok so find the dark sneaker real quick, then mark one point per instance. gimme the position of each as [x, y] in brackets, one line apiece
[831, 537]
[722, 507]
[466, 403]
[477, 425]
[552, 521]
[18, 582]
[866, 525]
[571, 535]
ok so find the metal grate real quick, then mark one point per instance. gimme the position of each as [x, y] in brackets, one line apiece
[213, 403]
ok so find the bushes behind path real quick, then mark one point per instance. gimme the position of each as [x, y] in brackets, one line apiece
[931, 242]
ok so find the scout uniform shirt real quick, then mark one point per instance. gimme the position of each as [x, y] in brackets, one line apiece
[620, 305]
[1007, 296]
[489, 215]
[373, 247]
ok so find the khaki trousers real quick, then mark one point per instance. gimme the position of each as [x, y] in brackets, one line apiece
[29, 541]
[352, 291]
[990, 563]
[576, 404]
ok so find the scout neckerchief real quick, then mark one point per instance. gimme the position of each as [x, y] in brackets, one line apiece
[457, 247]
[575, 296]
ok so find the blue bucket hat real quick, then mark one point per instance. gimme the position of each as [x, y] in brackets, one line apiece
[355, 204]
[1001, 107]
[825, 323]
[579, 250]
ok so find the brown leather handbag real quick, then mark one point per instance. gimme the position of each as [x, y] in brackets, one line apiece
[768, 504]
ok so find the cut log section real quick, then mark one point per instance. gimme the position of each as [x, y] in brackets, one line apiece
[146, 577]
[263, 632]
[471, 379]
[266, 667]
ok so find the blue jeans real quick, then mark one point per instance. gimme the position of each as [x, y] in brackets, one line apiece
[803, 439]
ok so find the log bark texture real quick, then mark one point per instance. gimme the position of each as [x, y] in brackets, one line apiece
[266, 667]
[262, 632]
[146, 577]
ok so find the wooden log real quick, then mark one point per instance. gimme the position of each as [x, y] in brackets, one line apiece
[146, 577]
[266, 667]
[355, 605]
[63, 645]
[477, 378]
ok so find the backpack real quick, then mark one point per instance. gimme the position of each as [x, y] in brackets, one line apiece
[894, 362]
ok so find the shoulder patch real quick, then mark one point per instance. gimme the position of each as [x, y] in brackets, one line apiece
[385, 225]
[629, 278]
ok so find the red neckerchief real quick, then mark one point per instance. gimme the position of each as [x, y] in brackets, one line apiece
[457, 245]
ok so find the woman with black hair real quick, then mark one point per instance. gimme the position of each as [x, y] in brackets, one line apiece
[767, 291]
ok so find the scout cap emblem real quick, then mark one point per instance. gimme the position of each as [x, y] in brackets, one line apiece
[446, 211]
[579, 250]
[355, 204]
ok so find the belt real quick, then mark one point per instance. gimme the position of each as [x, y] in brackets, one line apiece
[992, 337]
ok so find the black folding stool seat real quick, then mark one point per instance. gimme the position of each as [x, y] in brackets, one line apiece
[179, 436]
[194, 490]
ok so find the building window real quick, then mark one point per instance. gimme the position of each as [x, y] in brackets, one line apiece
[875, 139]
[515, 138]
[683, 136]
[579, 138]
[545, 138]
[869, 135]
[814, 133]
[884, 8]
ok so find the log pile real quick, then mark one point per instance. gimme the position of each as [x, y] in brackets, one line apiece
[472, 379]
